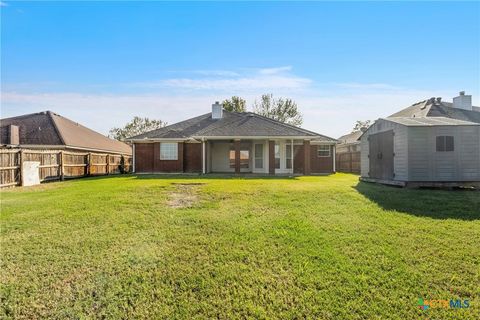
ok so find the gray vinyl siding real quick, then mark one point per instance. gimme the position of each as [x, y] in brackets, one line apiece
[469, 148]
[419, 162]
[364, 162]
[400, 147]
[426, 164]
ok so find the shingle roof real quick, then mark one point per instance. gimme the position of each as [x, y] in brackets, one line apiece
[241, 124]
[350, 138]
[48, 128]
[430, 121]
[432, 108]
[34, 129]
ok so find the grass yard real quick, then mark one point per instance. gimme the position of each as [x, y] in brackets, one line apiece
[311, 247]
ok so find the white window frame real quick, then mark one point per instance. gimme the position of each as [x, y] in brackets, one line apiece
[279, 153]
[255, 157]
[169, 151]
[288, 156]
[320, 150]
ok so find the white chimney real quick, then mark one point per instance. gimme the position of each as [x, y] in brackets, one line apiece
[217, 110]
[463, 101]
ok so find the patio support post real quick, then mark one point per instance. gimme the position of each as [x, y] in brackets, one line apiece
[291, 155]
[271, 157]
[203, 156]
[237, 155]
[133, 157]
[306, 155]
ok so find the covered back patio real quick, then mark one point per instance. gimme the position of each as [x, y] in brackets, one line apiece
[265, 156]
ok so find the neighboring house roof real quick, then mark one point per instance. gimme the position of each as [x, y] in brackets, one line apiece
[432, 112]
[429, 121]
[50, 129]
[434, 108]
[350, 138]
[232, 124]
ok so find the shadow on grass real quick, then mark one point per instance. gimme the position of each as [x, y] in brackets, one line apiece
[183, 176]
[436, 204]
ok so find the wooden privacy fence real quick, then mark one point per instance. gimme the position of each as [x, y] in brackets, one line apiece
[348, 162]
[60, 164]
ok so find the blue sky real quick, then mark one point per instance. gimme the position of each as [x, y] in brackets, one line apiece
[101, 63]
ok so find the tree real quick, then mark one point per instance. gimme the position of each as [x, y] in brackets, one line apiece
[283, 110]
[235, 104]
[135, 127]
[362, 125]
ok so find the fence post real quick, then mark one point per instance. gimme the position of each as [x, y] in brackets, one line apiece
[89, 163]
[108, 163]
[62, 168]
[20, 167]
[350, 167]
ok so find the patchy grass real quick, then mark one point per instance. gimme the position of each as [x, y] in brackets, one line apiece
[185, 195]
[309, 247]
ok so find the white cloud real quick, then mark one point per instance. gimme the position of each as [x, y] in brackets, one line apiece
[101, 112]
[356, 85]
[219, 73]
[237, 84]
[224, 80]
[328, 110]
[3, 4]
[275, 70]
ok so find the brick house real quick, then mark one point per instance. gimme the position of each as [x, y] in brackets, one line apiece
[233, 142]
[49, 130]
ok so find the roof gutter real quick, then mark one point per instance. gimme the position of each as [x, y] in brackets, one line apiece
[51, 146]
[151, 140]
[264, 138]
[201, 138]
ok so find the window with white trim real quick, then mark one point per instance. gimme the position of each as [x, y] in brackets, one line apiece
[323, 150]
[169, 151]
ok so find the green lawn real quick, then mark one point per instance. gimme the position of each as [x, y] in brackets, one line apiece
[309, 247]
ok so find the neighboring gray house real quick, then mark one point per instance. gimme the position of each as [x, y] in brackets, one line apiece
[427, 144]
[349, 142]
